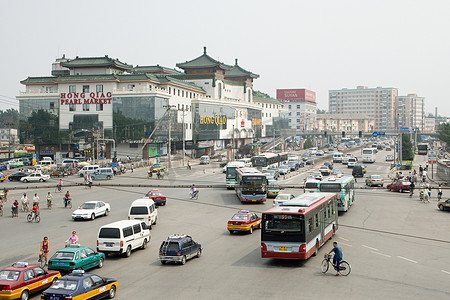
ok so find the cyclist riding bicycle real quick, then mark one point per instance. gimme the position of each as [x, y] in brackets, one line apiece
[337, 256]
[24, 201]
[34, 211]
[59, 185]
[73, 239]
[44, 249]
[15, 208]
[49, 199]
[193, 191]
[66, 198]
[36, 200]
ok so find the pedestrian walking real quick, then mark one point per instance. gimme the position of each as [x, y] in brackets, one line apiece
[439, 192]
[132, 168]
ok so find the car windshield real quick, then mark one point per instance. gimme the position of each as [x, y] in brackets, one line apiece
[157, 194]
[376, 177]
[67, 285]
[239, 217]
[283, 197]
[87, 206]
[9, 275]
[63, 255]
[156, 166]
[273, 184]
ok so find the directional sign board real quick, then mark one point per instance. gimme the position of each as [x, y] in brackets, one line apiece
[381, 133]
[374, 134]
[404, 129]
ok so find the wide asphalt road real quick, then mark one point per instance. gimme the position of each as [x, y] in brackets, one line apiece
[398, 247]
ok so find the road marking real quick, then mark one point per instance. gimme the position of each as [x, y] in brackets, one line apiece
[375, 249]
[445, 272]
[385, 255]
[344, 239]
[346, 244]
[410, 260]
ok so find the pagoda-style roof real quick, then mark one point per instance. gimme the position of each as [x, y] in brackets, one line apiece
[266, 100]
[237, 71]
[89, 62]
[202, 62]
[155, 70]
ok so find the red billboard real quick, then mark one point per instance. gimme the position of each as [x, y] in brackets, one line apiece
[296, 95]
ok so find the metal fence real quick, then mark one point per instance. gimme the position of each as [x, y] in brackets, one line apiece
[443, 170]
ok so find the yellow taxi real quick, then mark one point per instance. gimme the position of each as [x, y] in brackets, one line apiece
[21, 279]
[444, 204]
[244, 220]
[157, 167]
[3, 177]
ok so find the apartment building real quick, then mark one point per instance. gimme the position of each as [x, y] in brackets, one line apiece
[301, 106]
[350, 123]
[410, 111]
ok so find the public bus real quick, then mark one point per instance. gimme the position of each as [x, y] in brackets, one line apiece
[230, 177]
[251, 185]
[368, 155]
[343, 186]
[422, 149]
[267, 160]
[297, 228]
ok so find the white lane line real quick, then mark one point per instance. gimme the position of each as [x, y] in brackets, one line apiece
[410, 260]
[374, 249]
[385, 255]
[346, 244]
[446, 272]
[343, 239]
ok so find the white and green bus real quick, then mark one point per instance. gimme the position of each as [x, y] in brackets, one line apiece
[230, 177]
[343, 186]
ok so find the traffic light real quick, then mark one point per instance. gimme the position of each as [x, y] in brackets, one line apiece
[360, 134]
[325, 133]
[343, 133]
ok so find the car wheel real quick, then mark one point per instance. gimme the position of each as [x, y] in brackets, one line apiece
[25, 180]
[400, 190]
[10, 179]
[231, 231]
[389, 189]
[144, 244]
[108, 177]
[163, 262]
[128, 252]
[251, 230]
[106, 212]
[112, 292]
[156, 219]
[24, 295]
[92, 216]
[316, 250]
[441, 207]
[100, 263]
[199, 253]
[183, 260]
[41, 180]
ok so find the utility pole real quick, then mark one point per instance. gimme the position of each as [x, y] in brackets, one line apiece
[232, 148]
[9, 141]
[184, 138]
[169, 148]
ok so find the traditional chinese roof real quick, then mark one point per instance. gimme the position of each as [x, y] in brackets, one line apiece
[266, 99]
[237, 71]
[88, 62]
[155, 70]
[203, 61]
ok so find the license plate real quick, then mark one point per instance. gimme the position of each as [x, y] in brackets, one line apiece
[254, 200]
[60, 263]
[282, 248]
[54, 298]
[236, 228]
[108, 245]
[158, 198]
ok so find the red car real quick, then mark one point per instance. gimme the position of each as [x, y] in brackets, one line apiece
[157, 196]
[399, 185]
[21, 279]
[244, 220]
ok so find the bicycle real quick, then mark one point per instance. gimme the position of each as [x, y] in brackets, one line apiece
[194, 195]
[68, 204]
[36, 217]
[25, 207]
[49, 204]
[14, 212]
[58, 188]
[344, 266]
[42, 260]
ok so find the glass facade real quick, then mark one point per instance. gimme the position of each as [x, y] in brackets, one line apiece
[204, 120]
[26, 107]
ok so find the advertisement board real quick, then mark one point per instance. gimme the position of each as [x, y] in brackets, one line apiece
[296, 95]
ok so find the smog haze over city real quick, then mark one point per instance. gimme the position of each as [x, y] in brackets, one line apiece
[318, 45]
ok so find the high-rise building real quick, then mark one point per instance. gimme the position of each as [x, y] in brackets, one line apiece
[410, 110]
[378, 103]
[302, 107]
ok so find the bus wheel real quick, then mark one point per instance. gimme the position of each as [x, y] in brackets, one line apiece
[317, 248]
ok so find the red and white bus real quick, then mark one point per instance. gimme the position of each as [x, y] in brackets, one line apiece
[297, 228]
[251, 185]
[422, 149]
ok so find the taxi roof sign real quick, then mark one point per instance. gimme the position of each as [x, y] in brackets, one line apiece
[78, 272]
[21, 263]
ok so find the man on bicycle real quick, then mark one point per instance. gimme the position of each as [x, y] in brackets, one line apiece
[73, 239]
[193, 191]
[66, 199]
[44, 250]
[24, 201]
[49, 200]
[15, 208]
[337, 256]
[59, 185]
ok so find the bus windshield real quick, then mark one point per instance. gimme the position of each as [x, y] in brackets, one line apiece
[330, 187]
[259, 161]
[253, 183]
[286, 228]
[231, 172]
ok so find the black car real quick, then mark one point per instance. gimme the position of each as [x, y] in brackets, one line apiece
[329, 165]
[310, 161]
[179, 248]
[358, 171]
[17, 176]
[26, 161]
[293, 165]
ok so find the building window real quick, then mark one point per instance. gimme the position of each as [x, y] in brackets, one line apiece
[85, 89]
[298, 106]
[72, 88]
[99, 107]
[99, 88]
[298, 113]
[170, 90]
[298, 120]
[72, 107]
[49, 89]
[178, 92]
[131, 87]
[52, 105]
[290, 106]
[219, 89]
[85, 107]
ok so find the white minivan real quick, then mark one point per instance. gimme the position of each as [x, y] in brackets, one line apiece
[337, 157]
[205, 159]
[87, 170]
[143, 210]
[123, 236]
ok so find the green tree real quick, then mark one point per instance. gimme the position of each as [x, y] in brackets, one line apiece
[407, 149]
[9, 118]
[321, 111]
[42, 128]
[444, 132]
[308, 143]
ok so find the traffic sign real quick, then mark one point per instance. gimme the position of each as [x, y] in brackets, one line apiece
[399, 165]
[404, 129]
[431, 161]
[374, 134]
[381, 133]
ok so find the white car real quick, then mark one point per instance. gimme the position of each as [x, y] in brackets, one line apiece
[324, 170]
[282, 198]
[91, 210]
[35, 177]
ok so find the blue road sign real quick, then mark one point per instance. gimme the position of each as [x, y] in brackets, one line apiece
[381, 133]
[404, 129]
[374, 134]
[399, 165]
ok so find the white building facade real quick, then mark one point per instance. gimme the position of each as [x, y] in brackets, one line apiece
[301, 106]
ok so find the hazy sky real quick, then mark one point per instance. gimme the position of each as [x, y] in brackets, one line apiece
[318, 45]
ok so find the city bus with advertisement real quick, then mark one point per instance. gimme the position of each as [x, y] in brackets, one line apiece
[268, 160]
[251, 185]
[297, 228]
[230, 173]
[345, 188]
[368, 155]
[422, 149]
